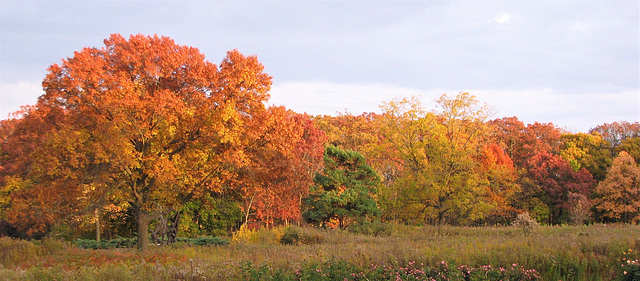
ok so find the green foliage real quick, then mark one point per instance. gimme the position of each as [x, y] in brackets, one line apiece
[630, 266]
[205, 241]
[589, 151]
[631, 146]
[131, 242]
[375, 228]
[251, 272]
[212, 216]
[120, 242]
[342, 193]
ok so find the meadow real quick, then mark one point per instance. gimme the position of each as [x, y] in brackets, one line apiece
[398, 252]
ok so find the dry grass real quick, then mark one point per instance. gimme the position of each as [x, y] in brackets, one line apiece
[567, 253]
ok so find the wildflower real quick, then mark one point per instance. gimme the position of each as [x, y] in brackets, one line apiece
[625, 273]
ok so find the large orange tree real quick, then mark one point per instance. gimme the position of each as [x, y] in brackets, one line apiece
[141, 120]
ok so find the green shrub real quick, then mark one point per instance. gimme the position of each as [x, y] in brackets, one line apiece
[371, 228]
[119, 242]
[294, 235]
[131, 242]
[204, 241]
[630, 266]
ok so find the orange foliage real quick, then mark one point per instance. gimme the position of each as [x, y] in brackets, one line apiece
[143, 118]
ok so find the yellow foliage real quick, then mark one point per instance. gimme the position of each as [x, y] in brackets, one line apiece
[243, 235]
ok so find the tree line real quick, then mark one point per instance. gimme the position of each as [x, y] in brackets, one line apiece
[146, 138]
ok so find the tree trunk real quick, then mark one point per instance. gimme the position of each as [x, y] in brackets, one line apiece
[97, 215]
[143, 229]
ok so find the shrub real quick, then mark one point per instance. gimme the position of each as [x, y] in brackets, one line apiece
[119, 242]
[204, 241]
[243, 235]
[13, 251]
[131, 242]
[268, 236]
[294, 235]
[371, 228]
[210, 240]
[630, 268]
[525, 223]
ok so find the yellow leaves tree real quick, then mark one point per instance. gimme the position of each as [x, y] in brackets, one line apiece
[589, 151]
[440, 179]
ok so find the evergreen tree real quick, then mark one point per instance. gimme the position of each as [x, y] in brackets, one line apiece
[342, 193]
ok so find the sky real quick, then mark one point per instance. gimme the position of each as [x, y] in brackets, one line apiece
[573, 63]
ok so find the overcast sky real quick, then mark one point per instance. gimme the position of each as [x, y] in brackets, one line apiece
[573, 63]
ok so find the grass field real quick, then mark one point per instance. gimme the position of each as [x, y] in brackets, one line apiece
[596, 252]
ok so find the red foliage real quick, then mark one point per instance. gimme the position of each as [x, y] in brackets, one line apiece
[557, 179]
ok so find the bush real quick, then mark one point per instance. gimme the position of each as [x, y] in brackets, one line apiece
[205, 241]
[372, 229]
[119, 242]
[131, 242]
[526, 223]
[630, 268]
[13, 251]
[243, 235]
[294, 235]
[267, 236]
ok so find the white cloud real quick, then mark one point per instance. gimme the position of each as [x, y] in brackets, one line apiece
[577, 113]
[14, 95]
[503, 18]
[324, 98]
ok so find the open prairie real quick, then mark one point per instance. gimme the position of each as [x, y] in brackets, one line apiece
[596, 252]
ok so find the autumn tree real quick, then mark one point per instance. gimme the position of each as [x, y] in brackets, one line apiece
[440, 179]
[285, 156]
[521, 142]
[144, 118]
[348, 131]
[619, 193]
[40, 160]
[401, 136]
[616, 132]
[553, 165]
[557, 180]
[497, 169]
[342, 192]
[631, 146]
[589, 151]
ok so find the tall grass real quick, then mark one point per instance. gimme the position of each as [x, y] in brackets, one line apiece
[557, 253]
